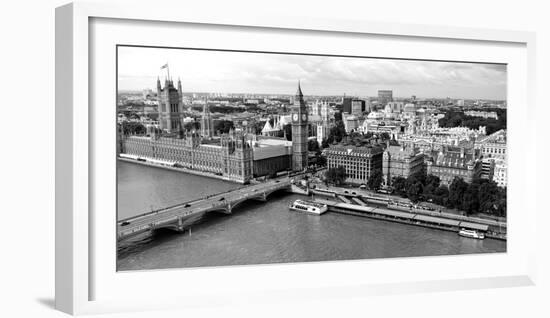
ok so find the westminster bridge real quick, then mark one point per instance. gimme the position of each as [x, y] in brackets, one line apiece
[173, 217]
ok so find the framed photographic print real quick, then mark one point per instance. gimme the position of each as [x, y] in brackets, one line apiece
[238, 155]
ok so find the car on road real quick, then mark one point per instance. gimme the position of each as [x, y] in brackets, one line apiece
[221, 199]
[187, 205]
[124, 223]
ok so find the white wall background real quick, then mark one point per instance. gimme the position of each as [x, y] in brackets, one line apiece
[27, 157]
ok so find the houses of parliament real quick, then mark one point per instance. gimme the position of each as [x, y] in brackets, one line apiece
[236, 156]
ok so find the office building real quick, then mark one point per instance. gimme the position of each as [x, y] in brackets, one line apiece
[357, 107]
[451, 162]
[359, 162]
[384, 97]
[401, 161]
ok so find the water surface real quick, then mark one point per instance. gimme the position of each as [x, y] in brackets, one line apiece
[262, 233]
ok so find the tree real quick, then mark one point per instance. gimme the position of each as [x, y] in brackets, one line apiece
[321, 160]
[313, 145]
[338, 116]
[491, 198]
[190, 126]
[470, 202]
[414, 189]
[456, 192]
[257, 127]
[337, 132]
[501, 204]
[223, 126]
[133, 128]
[431, 184]
[400, 185]
[419, 176]
[458, 118]
[385, 136]
[336, 176]
[433, 181]
[441, 195]
[375, 180]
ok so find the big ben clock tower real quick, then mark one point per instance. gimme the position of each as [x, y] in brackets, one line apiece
[299, 132]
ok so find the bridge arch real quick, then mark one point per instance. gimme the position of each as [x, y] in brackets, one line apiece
[238, 202]
[270, 192]
[229, 206]
[221, 209]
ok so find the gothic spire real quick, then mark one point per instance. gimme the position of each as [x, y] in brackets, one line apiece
[299, 91]
[205, 109]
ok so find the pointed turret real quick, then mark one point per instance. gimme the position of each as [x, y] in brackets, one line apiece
[205, 109]
[207, 126]
[299, 93]
[267, 127]
[180, 93]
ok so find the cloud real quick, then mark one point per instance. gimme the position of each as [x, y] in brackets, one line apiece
[219, 71]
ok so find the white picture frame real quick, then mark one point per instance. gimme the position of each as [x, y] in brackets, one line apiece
[76, 252]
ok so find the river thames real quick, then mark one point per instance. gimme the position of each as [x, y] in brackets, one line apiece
[263, 233]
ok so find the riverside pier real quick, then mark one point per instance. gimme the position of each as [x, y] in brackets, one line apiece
[359, 203]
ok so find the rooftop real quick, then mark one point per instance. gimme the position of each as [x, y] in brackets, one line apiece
[453, 158]
[402, 151]
[353, 150]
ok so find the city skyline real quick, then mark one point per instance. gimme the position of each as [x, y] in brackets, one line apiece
[405, 168]
[277, 74]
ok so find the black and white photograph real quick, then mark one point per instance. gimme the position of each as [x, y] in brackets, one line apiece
[231, 157]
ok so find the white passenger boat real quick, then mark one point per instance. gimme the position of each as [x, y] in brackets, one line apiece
[471, 233]
[309, 207]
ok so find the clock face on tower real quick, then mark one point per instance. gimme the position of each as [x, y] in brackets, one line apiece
[304, 117]
[295, 117]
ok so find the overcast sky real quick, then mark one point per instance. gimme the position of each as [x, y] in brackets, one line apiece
[236, 72]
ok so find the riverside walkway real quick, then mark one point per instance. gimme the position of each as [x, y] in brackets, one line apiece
[366, 203]
[412, 218]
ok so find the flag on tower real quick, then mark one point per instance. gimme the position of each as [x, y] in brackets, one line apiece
[164, 66]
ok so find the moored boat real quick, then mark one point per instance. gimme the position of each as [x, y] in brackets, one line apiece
[471, 233]
[309, 207]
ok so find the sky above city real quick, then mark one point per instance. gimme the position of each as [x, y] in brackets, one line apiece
[262, 73]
